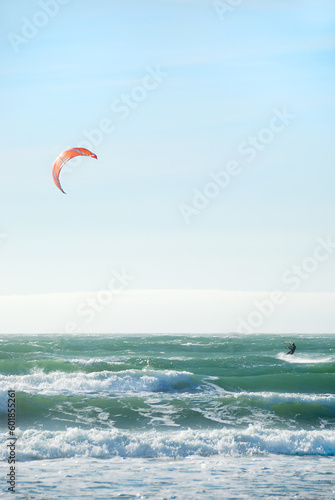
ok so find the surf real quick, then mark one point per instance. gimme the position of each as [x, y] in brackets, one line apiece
[103, 382]
[255, 440]
[305, 359]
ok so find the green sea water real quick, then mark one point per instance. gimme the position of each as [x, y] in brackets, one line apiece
[180, 397]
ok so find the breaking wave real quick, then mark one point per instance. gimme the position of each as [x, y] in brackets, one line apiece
[104, 444]
[104, 382]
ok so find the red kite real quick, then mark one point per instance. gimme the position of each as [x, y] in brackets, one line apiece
[63, 158]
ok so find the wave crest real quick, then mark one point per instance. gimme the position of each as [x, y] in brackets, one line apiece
[255, 440]
[104, 382]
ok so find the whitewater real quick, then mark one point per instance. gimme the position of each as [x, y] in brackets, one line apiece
[169, 416]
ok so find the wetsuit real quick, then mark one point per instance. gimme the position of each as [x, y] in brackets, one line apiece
[292, 348]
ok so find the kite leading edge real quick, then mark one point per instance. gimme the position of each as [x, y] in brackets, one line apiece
[65, 157]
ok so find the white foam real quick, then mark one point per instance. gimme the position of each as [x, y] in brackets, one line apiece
[289, 397]
[94, 361]
[105, 382]
[255, 440]
[305, 359]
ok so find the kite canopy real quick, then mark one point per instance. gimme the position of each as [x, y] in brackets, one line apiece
[65, 157]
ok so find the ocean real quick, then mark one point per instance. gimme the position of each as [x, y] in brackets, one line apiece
[167, 417]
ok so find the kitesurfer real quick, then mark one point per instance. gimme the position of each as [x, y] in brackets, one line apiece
[291, 347]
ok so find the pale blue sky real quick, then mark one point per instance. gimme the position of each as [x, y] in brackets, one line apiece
[221, 80]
